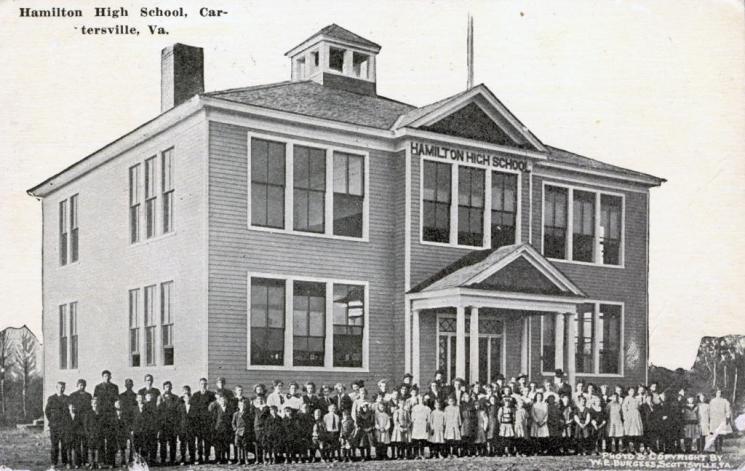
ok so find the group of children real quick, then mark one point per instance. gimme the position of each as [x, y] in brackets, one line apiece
[513, 418]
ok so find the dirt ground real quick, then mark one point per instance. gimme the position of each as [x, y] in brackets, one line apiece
[20, 450]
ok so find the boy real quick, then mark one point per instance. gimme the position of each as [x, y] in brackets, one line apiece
[144, 427]
[56, 410]
[346, 435]
[201, 401]
[332, 428]
[239, 432]
[221, 420]
[272, 435]
[261, 412]
[74, 433]
[188, 426]
[168, 418]
[148, 388]
[95, 424]
[82, 401]
[121, 433]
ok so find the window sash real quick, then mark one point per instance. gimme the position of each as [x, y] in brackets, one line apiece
[309, 199]
[609, 343]
[63, 232]
[585, 339]
[263, 349]
[167, 170]
[267, 183]
[150, 178]
[436, 201]
[471, 206]
[503, 209]
[149, 306]
[63, 336]
[548, 342]
[150, 346]
[308, 335]
[348, 330]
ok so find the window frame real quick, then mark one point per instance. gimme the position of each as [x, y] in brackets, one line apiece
[596, 353]
[305, 287]
[449, 367]
[136, 327]
[63, 325]
[63, 214]
[599, 192]
[167, 190]
[150, 197]
[74, 231]
[135, 203]
[289, 222]
[307, 189]
[150, 325]
[437, 166]
[515, 213]
[167, 327]
[469, 207]
[73, 357]
[328, 346]
[489, 170]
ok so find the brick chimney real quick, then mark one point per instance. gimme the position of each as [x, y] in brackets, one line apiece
[181, 74]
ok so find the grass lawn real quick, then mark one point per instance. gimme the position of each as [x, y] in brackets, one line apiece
[21, 449]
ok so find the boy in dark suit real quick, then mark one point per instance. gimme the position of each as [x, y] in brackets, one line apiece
[95, 425]
[82, 401]
[121, 432]
[188, 426]
[148, 388]
[167, 419]
[127, 403]
[201, 401]
[221, 429]
[145, 428]
[56, 412]
[74, 433]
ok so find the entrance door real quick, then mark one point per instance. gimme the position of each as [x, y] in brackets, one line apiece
[491, 338]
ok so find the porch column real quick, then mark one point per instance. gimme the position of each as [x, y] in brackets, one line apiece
[571, 361]
[474, 347]
[415, 345]
[524, 346]
[559, 341]
[460, 342]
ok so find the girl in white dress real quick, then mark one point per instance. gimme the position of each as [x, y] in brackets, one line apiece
[632, 420]
[436, 431]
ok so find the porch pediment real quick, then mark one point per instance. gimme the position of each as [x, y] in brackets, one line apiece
[518, 269]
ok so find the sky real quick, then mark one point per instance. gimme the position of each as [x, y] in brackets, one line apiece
[657, 86]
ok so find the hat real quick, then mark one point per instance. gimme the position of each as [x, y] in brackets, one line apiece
[106, 372]
[500, 376]
[440, 372]
[522, 376]
[408, 375]
[559, 373]
[220, 379]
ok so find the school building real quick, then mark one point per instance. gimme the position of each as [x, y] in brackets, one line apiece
[313, 229]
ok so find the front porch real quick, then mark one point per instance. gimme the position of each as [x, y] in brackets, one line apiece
[473, 319]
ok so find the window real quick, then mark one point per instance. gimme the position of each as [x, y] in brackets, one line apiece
[470, 206]
[360, 65]
[167, 189]
[610, 232]
[490, 347]
[150, 197]
[63, 232]
[555, 222]
[548, 342]
[309, 323]
[585, 340]
[134, 204]
[349, 194]
[300, 67]
[267, 321]
[149, 313]
[166, 322]
[267, 183]
[74, 228]
[73, 335]
[583, 237]
[349, 323]
[134, 327]
[609, 343]
[309, 199]
[436, 202]
[63, 336]
[314, 61]
[503, 208]
[336, 59]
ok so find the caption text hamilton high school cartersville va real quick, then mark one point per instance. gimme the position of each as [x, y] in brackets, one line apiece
[312, 229]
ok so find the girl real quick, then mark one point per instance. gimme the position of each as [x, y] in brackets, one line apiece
[599, 422]
[632, 420]
[346, 435]
[401, 425]
[521, 427]
[703, 422]
[452, 427]
[506, 418]
[419, 425]
[482, 425]
[539, 423]
[492, 431]
[582, 425]
[555, 424]
[318, 436]
[382, 432]
[615, 423]
[365, 427]
[436, 431]
[567, 415]
[468, 424]
[691, 430]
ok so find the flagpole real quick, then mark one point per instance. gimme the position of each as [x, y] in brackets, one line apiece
[469, 53]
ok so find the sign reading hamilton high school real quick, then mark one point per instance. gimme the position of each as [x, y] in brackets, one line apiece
[461, 155]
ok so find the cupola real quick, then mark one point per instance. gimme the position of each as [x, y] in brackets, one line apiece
[336, 58]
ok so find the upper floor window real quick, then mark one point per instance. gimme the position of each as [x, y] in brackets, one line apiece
[349, 194]
[470, 206]
[267, 183]
[134, 204]
[68, 230]
[68, 336]
[150, 197]
[503, 208]
[555, 222]
[309, 199]
[149, 314]
[167, 189]
[436, 202]
[589, 231]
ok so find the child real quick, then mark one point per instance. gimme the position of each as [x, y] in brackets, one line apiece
[333, 427]
[492, 431]
[482, 425]
[436, 430]
[272, 435]
[401, 425]
[506, 418]
[288, 439]
[319, 436]
[365, 429]
[168, 417]
[704, 422]
[452, 427]
[94, 430]
[346, 435]
[582, 418]
[304, 422]
[382, 432]
[74, 431]
[120, 432]
[615, 423]
[239, 427]
[222, 429]
[539, 423]
[261, 415]
[690, 425]
[188, 426]
[567, 415]
[419, 425]
[144, 427]
[468, 424]
[555, 425]
[521, 427]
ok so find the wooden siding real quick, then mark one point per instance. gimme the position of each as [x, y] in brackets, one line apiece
[235, 251]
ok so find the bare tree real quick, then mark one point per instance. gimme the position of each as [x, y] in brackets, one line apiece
[25, 363]
[710, 356]
[5, 363]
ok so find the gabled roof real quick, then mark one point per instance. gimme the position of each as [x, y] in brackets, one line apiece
[335, 32]
[565, 157]
[312, 99]
[476, 268]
